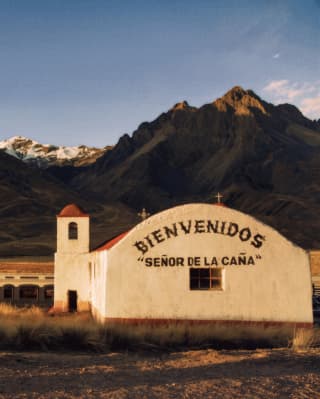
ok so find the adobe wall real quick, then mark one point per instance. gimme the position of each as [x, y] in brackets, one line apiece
[266, 278]
[72, 272]
[71, 264]
[81, 244]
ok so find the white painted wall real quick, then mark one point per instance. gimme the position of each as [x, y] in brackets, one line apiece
[71, 273]
[81, 245]
[71, 266]
[276, 288]
[99, 284]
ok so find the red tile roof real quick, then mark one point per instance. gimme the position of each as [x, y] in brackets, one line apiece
[112, 242]
[72, 210]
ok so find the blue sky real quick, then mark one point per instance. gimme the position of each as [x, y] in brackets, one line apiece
[87, 71]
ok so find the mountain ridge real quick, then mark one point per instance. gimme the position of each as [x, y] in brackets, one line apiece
[238, 144]
[264, 158]
[45, 155]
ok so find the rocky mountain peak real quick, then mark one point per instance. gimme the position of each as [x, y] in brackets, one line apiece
[242, 101]
[184, 105]
[236, 93]
[266, 163]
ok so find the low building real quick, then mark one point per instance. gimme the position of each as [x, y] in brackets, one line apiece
[315, 274]
[195, 263]
[27, 283]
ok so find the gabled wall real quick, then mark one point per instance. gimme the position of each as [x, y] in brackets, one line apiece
[274, 286]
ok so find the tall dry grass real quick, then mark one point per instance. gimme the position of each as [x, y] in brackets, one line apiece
[306, 339]
[33, 329]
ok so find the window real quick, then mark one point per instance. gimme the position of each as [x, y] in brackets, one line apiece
[73, 231]
[8, 292]
[29, 292]
[205, 279]
[48, 292]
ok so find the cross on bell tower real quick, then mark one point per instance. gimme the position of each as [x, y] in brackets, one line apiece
[144, 214]
[219, 197]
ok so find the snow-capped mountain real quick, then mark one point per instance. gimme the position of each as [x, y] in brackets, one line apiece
[45, 155]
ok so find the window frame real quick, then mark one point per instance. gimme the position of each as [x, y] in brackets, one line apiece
[73, 231]
[214, 274]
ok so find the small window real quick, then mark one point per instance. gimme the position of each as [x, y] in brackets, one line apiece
[48, 292]
[205, 279]
[29, 292]
[8, 292]
[73, 231]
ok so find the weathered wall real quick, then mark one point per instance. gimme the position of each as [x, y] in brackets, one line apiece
[274, 285]
[98, 284]
[72, 271]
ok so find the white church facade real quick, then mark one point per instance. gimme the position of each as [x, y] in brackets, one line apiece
[197, 263]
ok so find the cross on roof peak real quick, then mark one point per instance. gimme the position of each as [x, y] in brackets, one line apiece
[219, 197]
[144, 214]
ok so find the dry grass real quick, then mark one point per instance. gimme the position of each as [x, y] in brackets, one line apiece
[8, 310]
[306, 338]
[32, 328]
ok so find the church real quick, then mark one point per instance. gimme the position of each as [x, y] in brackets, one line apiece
[194, 263]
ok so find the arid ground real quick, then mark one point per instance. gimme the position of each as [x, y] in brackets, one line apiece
[249, 374]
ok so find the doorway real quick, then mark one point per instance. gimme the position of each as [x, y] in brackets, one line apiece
[72, 301]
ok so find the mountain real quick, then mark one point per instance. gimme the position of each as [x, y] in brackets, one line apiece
[30, 199]
[45, 155]
[265, 159]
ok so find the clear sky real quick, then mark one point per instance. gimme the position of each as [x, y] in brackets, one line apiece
[87, 71]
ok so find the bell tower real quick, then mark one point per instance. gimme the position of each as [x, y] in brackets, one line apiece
[71, 262]
[72, 230]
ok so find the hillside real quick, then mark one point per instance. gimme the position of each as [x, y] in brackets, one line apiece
[30, 199]
[265, 159]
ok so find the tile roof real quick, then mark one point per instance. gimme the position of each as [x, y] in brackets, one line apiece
[72, 210]
[111, 243]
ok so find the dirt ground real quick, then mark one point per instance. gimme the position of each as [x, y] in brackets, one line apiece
[277, 373]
